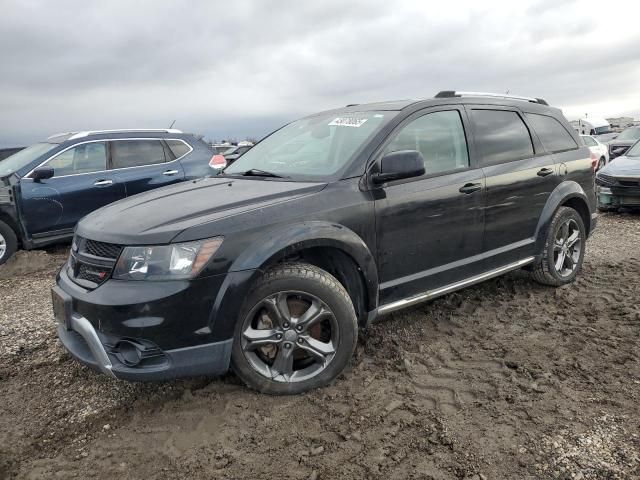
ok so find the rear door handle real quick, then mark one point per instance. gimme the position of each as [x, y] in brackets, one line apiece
[470, 188]
[169, 173]
[543, 172]
[102, 183]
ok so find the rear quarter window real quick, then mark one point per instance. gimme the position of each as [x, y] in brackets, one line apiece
[554, 137]
[500, 136]
[178, 148]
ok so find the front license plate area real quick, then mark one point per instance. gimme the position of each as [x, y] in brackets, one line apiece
[61, 307]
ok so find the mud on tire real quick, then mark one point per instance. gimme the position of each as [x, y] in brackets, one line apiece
[546, 270]
[301, 313]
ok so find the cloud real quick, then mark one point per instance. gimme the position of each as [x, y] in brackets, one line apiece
[242, 68]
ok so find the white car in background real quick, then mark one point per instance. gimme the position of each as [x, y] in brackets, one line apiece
[597, 148]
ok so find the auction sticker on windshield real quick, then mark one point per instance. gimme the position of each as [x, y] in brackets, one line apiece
[347, 122]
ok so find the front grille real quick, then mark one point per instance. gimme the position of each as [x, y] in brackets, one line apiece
[101, 249]
[629, 183]
[92, 262]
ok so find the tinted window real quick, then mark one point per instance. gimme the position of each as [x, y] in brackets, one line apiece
[629, 134]
[134, 153]
[552, 134]
[501, 136]
[178, 147]
[85, 158]
[439, 137]
[588, 141]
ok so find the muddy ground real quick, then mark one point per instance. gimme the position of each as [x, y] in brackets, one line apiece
[507, 379]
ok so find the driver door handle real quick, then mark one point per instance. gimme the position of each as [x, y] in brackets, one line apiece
[102, 183]
[543, 172]
[470, 188]
[169, 173]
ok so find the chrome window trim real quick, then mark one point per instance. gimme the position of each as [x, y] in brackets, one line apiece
[27, 176]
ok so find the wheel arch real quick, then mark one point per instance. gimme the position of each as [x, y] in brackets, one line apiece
[330, 246]
[567, 194]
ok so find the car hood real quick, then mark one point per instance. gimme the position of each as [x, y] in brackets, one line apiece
[622, 167]
[157, 216]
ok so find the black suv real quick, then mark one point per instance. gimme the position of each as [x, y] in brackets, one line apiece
[324, 225]
[46, 188]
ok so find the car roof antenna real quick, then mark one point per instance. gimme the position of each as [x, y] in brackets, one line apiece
[172, 123]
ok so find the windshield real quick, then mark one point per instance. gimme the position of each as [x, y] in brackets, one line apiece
[601, 130]
[629, 134]
[634, 151]
[313, 148]
[24, 157]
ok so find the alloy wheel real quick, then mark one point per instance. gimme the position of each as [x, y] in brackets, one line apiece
[3, 246]
[567, 247]
[290, 336]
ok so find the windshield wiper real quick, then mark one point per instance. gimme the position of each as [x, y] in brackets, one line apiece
[256, 172]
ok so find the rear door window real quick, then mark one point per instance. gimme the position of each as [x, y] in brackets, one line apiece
[501, 136]
[84, 158]
[136, 153]
[588, 141]
[552, 134]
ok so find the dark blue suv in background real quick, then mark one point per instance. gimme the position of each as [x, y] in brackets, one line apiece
[46, 188]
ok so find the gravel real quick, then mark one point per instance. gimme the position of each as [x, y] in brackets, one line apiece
[507, 379]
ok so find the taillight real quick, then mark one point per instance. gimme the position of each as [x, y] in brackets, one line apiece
[594, 161]
[218, 162]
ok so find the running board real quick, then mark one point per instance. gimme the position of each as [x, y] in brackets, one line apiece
[430, 294]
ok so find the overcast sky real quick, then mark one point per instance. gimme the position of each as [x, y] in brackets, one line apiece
[240, 68]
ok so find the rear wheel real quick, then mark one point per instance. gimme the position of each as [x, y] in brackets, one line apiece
[297, 331]
[563, 250]
[8, 242]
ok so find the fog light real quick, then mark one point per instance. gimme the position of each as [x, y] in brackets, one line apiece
[128, 353]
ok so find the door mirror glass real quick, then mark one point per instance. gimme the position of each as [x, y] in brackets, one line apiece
[42, 173]
[401, 164]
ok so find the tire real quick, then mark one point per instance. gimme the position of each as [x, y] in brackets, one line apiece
[8, 242]
[297, 331]
[607, 209]
[559, 244]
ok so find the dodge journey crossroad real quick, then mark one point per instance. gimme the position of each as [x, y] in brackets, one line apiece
[271, 267]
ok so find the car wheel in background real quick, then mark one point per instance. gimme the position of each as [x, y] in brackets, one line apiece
[297, 331]
[8, 242]
[563, 249]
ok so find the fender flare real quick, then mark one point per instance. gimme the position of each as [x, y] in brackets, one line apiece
[563, 192]
[250, 265]
[299, 236]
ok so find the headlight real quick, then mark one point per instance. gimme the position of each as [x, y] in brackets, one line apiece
[165, 262]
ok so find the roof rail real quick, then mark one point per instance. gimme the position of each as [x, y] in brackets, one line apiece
[453, 93]
[60, 135]
[125, 130]
[352, 105]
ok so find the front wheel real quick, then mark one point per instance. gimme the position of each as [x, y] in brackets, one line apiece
[297, 331]
[563, 249]
[8, 242]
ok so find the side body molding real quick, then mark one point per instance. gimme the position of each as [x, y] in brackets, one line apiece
[565, 191]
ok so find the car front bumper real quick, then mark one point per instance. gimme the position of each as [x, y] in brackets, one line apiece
[150, 330]
[611, 197]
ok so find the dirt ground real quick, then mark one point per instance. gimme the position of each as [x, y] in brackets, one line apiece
[507, 379]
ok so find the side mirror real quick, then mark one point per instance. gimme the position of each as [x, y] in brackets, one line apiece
[397, 165]
[42, 173]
